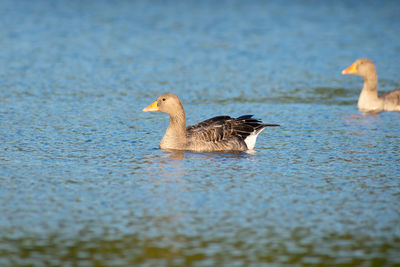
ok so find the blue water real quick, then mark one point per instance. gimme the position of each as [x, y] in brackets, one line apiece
[83, 182]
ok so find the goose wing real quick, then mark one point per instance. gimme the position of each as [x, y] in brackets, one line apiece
[223, 128]
[393, 97]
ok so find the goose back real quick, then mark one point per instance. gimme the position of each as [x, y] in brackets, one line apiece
[391, 100]
[224, 133]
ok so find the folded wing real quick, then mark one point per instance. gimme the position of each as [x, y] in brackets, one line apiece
[226, 133]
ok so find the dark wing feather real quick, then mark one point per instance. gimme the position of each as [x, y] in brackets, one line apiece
[222, 128]
[211, 130]
[392, 96]
[246, 125]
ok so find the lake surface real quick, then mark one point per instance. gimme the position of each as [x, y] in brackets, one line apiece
[83, 182]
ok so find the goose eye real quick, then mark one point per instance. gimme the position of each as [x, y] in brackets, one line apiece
[163, 99]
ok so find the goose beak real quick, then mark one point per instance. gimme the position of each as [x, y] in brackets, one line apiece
[350, 70]
[152, 107]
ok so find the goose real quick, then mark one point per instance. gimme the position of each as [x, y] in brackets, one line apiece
[369, 101]
[221, 133]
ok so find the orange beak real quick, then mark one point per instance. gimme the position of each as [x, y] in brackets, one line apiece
[152, 107]
[350, 70]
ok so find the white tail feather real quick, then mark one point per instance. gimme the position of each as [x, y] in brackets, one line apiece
[251, 139]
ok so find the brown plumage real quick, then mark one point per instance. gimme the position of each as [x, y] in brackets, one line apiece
[221, 133]
[369, 100]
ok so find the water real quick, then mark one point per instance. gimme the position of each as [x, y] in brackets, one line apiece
[83, 183]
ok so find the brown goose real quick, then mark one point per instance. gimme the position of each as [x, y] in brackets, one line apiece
[369, 100]
[221, 133]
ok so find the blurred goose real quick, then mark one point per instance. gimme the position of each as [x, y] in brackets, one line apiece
[221, 133]
[369, 100]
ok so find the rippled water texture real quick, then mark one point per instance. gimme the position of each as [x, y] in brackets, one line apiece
[83, 183]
